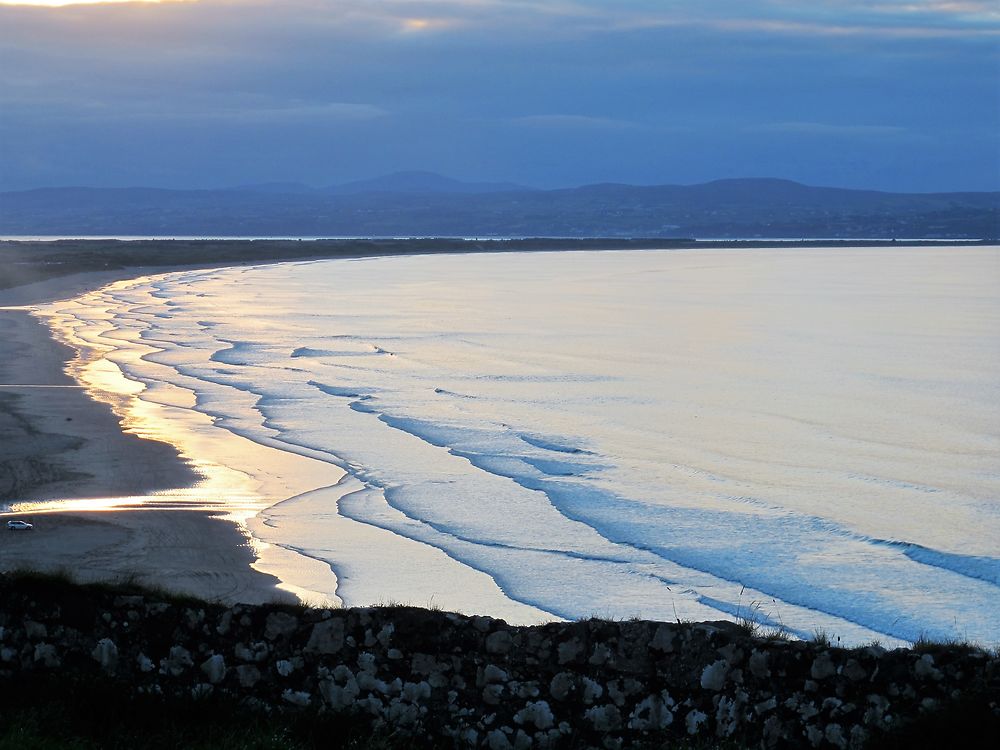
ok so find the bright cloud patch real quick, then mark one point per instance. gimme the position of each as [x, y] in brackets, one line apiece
[61, 3]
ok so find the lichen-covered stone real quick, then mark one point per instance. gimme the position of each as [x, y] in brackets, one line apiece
[561, 685]
[570, 650]
[854, 671]
[499, 642]
[823, 667]
[280, 625]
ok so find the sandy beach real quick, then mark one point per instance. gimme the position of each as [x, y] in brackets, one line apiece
[60, 444]
[302, 496]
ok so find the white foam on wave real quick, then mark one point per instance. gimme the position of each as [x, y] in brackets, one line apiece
[675, 434]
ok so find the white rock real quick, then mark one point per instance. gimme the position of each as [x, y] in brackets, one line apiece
[366, 662]
[764, 706]
[815, 735]
[416, 691]
[402, 714]
[835, 736]
[663, 640]
[714, 676]
[145, 663]
[591, 691]
[823, 667]
[327, 637]
[385, 635]
[255, 652]
[214, 668]
[537, 713]
[369, 682]
[651, 713]
[394, 688]
[493, 673]
[105, 653]
[339, 697]
[726, 717]
[296, 697]
[497, 740]
[604, 718]
[342, 674]
[615, 693]
[601, 655]
[694, 720]
[526, 690]
[177, 662]
[225, 622]
[924, 667]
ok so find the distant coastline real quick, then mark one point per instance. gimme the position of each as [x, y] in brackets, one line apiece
[396, 207]
[29, 261]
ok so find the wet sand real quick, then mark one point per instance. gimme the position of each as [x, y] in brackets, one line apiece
[57, 443]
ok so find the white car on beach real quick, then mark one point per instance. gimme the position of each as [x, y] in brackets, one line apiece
[19, 525]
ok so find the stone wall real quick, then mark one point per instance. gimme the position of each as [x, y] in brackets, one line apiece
[478, 682]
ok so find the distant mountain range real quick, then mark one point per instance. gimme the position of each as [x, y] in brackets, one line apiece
[426, 204]
[414, 182]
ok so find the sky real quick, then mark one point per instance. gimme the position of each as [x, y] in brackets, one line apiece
[897, 95]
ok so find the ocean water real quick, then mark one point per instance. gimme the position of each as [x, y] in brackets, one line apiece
[806, 437]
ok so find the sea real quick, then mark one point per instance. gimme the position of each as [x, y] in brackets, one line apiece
[803, 438]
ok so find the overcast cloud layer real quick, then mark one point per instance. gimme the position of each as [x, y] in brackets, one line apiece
[891, 95]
